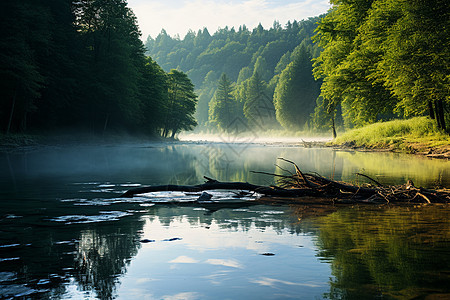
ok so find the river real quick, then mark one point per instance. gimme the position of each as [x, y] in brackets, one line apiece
[66, 234]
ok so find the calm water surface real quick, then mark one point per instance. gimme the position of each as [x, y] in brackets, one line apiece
[65, 234]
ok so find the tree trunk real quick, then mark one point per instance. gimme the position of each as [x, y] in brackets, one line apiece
[438, 114]
[333, 126]
[430, 108]
[216, 185]
[441, 116]
[8, 128]
[106, 123]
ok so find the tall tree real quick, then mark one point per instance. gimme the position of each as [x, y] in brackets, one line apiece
[258, 106]
[296, 92]
[110, 32]
[181, 106]
[24, 36]
[153, 94]
[416, 60]
[223, 107]
[336, 33]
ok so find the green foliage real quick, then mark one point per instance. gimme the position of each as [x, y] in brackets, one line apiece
[24, 37]
[81, 65]
[238, 53]
[180, 110]
[223, 108]
[296, 93]
[258, 106]
[385, 58]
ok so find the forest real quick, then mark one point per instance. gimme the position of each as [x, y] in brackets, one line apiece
[247, 79]
[80, 64]
[363, 62]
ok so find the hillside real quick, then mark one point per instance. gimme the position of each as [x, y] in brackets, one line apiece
[240, 54]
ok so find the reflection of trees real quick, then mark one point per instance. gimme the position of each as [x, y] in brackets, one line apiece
[279, 218]
[400, 252]
[103, 254]
[46, 253]
[394, 168]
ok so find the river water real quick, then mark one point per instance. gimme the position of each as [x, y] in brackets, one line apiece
[66, 234]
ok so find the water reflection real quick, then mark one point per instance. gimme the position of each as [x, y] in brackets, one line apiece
[187, 163]
[65, 234]
[398, 253]
[49, 256]
[223, 256]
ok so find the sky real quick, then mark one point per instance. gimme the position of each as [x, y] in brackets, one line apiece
[178, 16]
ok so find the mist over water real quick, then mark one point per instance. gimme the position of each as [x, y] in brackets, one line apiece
[66, 234]
[254, 138]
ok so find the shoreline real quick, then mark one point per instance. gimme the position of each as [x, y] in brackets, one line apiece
[24, 142]
[412, 148]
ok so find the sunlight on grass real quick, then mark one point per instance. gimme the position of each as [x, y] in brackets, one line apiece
[413, 134]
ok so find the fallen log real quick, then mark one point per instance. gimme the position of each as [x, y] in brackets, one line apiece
[298, 184]
[212, 184]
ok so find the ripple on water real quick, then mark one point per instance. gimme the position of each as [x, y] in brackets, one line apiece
[104, 216]
[17, 291]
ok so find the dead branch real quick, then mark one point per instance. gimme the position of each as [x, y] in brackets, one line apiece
[217, 185]
[312, 185]
[363, 175]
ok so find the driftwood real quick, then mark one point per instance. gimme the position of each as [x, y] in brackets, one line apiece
[298, 184]
[212, 184]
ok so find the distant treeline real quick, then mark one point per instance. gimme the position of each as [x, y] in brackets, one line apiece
[372, 60]
[79, 64]
[247, 79]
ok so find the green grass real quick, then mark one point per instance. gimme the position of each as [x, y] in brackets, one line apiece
[413, 135]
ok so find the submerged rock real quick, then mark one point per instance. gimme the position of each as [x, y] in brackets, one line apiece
[204, 197]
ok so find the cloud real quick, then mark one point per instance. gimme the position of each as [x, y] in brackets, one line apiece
[183, 296]
[183, 260]
[225, 262]
[272, 282]
[177, 17]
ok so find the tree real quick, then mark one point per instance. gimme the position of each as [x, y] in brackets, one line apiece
[385, 58]
[416, 61]
[223, 107]
[258, 106]
[296, 93]
[115, 57]
[24, 36]
[153, 94]
[342, 81]
[181, 106]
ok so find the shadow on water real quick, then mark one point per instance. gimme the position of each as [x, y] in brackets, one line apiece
[64, 233]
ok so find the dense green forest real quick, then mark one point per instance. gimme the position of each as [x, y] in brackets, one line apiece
[372, 61]
[80, 64]
[246, 79]
[385, 59]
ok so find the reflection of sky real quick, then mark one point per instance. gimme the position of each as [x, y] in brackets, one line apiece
[212, 260]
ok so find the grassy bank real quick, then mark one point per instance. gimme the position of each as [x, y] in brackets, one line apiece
[417, 135]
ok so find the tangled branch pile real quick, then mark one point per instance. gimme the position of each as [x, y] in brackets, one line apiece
[344, 192]
[298, 184]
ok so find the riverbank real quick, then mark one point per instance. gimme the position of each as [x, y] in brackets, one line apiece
[13, 142]
[415, 136]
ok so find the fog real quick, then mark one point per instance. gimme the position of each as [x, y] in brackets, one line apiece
[58, 169]
[254, 138]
